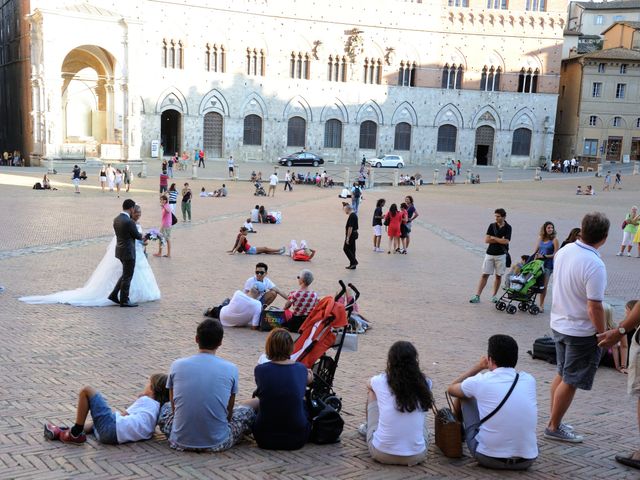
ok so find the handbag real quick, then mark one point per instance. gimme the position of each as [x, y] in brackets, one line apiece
[270, 319]
[448, 430]
[624, 224]
[174, 219]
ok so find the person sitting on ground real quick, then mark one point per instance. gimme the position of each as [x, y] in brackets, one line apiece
[255, 216]
[138, 422]
[249, 226]
[244, 309]
[589, 191]
[46, 184]
[271, 290]
[498, 408]
[302, 254]
[242, 246]
[262, 215]
[397, 404]
[300, 302]
[221, 192]
[579, 190]
[201, 416]
[204, 193]
[282, 421]
[83, 175]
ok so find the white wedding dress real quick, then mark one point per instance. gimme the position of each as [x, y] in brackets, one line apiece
[144, 287]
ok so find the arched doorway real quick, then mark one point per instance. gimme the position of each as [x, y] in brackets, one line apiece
[484, 145]
[88, 97]
[212, 135]
[171, 131]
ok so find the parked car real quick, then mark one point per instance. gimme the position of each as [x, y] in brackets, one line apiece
[301, 158]
[394, 161]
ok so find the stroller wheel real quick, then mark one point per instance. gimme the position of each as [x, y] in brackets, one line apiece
[334, 402]
[523, 306]
[501, 306]
[534, 310]
[511, 309]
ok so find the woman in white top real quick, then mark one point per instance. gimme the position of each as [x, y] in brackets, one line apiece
[397, 402]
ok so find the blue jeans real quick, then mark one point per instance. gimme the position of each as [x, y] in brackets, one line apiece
[104, 420]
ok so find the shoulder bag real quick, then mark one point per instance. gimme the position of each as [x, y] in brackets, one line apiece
[495, 410]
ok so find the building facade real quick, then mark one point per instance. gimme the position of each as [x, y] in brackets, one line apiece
[599, 106]
[474, 80]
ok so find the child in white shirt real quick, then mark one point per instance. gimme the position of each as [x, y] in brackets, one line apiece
[138, 422]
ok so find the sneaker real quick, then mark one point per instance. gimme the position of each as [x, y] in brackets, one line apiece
[566, 427]
[52, 432]
[628, 254]
[283, 250]
[562, 435]
[362, 430]
[619, 254]
[475, 299]
[494, 299]
[66, 437]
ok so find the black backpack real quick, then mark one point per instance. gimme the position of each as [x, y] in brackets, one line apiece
[326, 423]
[356, 192]
[544, 348]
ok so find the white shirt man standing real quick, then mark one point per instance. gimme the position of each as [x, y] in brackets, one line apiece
[273, 183]
[577, 315]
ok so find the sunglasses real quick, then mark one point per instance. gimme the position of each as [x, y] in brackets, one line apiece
[260, 272]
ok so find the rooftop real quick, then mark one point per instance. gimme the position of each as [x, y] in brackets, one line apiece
[614, 5]
[614, 54]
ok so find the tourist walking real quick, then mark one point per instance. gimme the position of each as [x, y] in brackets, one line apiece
[273, 183]
[495, 262]
[75, 178]
[377, 225]
[103, 178]
[118, 180]
[350, 236]
[629, 230]
[412, 214]
[201, 158]
[165, 228]
[186, 202]
[173, 198]
[394, 219]
[127, 177]
[231, 166]
[287, 181]
[356, 196]
[172, 161]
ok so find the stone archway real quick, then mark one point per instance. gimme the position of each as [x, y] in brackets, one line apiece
[484, 145]
[212, 135]
[171, 131]
[88, 98]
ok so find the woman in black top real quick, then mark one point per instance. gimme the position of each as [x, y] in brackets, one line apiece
[350, 237]
[377, 225]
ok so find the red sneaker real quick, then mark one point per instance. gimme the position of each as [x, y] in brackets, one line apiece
[52, 432]
[66, 437]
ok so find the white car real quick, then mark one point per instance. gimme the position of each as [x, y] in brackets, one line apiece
[394, 161]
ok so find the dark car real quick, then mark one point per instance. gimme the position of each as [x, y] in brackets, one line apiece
[301, 158]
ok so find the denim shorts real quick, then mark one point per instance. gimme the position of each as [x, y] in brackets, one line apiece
[578, 359]
[251, 251]
[104, 420]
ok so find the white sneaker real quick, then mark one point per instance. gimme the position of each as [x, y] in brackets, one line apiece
[619, 254]
[628, 254]
[362, 430]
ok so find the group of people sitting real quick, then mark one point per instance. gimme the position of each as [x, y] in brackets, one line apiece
[220, 192]
[588, 191]
[195, 405]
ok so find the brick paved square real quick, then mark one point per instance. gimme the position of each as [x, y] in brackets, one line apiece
[53, 240]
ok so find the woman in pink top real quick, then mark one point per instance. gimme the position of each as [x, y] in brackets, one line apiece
[165, 227]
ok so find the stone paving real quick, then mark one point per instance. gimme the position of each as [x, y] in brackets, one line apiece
[53, 240]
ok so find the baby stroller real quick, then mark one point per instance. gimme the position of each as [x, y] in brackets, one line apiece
[325, 327]
[259, 190]
[523, 289]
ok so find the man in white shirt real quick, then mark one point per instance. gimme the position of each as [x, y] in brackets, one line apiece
[244, 309]
[271, 291]
[231, 166]
[577, 315]
[287, 181]
[505, 438]
[273, 182]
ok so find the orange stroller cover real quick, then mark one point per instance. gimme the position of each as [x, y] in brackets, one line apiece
[316, 335]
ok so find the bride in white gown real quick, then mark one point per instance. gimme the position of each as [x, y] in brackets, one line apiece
[144, 287]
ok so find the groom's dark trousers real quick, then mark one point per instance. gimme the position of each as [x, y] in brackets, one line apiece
[124, 282]
[126, 235]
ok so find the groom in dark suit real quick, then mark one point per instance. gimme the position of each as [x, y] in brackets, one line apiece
[126, 236]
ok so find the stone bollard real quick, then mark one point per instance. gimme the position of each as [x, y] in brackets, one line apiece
[50, 169]
[194, 171]
[435, 176]
[468, 178]
[538, 175]
[396, 174]
[636, 167]
[599, 172]
[499, 179]
[346, 177]
[143, 172]
[372, 179]
[417, 183]
[236, 173]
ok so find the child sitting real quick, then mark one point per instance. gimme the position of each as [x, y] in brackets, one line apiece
[515, 270]
[579, 190]
[137, 423]
[589, 191]
[249, 226]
